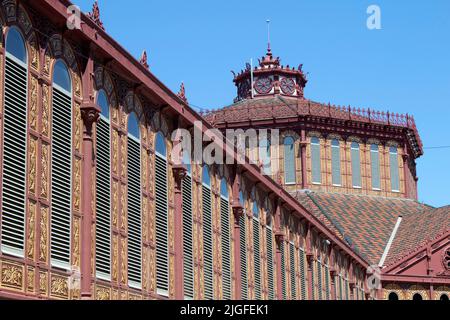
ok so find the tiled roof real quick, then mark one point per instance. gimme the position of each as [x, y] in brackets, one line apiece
[279, 107]
[417, 229]
[367, 222]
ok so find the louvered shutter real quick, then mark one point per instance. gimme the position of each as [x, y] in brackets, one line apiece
[341, 294]
[292, 269]
[327, 282]
[103, 202]
[375, 160]
[270, 264]
[61, 177]
[289, 161]
[134, 213]
[243, 256]
[303, 274]
[393, 161]
[283, 271]
[315, 160]
[313, 284]
[188, 240]
[208, 243]
[226, 247]
[14, 157]
[336, 162]
[257, 258]
[346, 290]
[162, 250]
[319, 280]
[356, 165]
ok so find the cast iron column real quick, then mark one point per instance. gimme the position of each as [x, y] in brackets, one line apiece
[238, 212]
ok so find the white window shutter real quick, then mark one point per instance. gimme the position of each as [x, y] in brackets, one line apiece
[61, 177]
[270, 263]
[226, 247]
[134, 214]
[292, 270]
[103, 201]
[14, 158]
[162, 249]
[188, 240]
[243, 256]
[208, 243]
[257, 258]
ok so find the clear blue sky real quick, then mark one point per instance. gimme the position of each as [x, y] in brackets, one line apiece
[405, 67]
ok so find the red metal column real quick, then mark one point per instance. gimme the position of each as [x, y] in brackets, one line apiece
[179, 172]
[310, 261]
[90, 113]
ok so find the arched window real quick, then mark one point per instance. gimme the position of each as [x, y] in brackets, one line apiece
[270, 256]
[226, 239]
[15, 45]
[289, 161]
[61, 167]
[14, 145]
[103, 190]
[188, 240]
[393, 161]
[134, 203]
[417, 297]
[356, 165]
[208, 251]
[336, 162]
[61, 77]
[264, 155]
[243, 248]
[393, 296]
[161, 224]
[375, 164]
[256, 247]
[315, 161]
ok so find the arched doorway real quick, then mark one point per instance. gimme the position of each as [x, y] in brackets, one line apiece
[417, 297]
[393, 296]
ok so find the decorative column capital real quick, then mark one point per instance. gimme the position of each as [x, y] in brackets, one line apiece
[309, 257]
[179, 173]
[352, 284]
[90, 113]
[333, 273]
[238, 211]
[279, 238]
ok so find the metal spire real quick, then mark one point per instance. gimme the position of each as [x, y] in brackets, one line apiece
[268, 37]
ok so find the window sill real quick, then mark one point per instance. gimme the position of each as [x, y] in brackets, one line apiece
[357, 187]
[376, 189]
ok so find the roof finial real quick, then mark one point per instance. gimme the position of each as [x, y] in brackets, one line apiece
[95, 15]
[182, 93]
[269, 51]
[144, 59]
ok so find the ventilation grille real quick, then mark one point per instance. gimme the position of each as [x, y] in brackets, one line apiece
[162, 253]
[257, 259]
[283, 271]
[188, 240]
[226, 248]
[61, 179]
[14, 158]
[270, 263]
[243, 257]
[103, 202]
[134, 213]
[292, 268]
[207, 243]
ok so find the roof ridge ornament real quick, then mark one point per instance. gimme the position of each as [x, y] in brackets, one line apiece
[94, 15]
[144, 59]
[182, 93]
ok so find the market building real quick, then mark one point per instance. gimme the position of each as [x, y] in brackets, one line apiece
[94, 206]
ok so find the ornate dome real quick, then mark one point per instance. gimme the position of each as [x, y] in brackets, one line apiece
[269, 78]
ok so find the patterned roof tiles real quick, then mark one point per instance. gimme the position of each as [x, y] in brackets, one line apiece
[367, 222]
